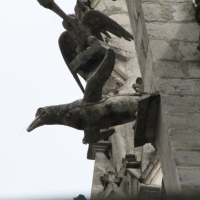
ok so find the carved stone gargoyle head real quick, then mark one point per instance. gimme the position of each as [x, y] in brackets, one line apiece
[46, 115]
[51, 115]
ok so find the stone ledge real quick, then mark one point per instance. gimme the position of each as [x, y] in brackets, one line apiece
[102, 146]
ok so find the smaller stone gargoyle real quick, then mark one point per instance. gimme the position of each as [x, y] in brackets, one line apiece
[82, 30]
[94, 112]
[138, 86]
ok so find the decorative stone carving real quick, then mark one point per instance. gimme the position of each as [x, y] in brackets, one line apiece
[115, 81]
[83, 29]
[110, 177]
[138, 86]
[94, 113]
[151, 170]
[129, 162]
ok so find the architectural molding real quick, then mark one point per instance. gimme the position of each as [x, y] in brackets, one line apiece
[115, 82]
[101, 146]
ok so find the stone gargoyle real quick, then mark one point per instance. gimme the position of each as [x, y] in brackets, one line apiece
[94, 112]
[83, 29]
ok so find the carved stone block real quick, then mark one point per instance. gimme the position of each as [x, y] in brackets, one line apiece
[102, 146]
[146, 120]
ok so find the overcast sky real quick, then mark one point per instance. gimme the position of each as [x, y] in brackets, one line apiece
[51, 160]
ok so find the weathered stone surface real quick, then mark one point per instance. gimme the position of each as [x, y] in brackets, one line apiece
[109, 7]
[102, 165]
[118, 148]
[179, 86]
[181, 104]
[189, 179]
[187, 157]
[94, 3]
[141, 42]
[170, 69]
[165, 153]
[177, 1]
[184, 138]
[149, 190]
[161, 31]
[174, 50]
[134, 13]
[148, 152]
[171, 65]
[149, 79]
[182, 121]
[162, 11]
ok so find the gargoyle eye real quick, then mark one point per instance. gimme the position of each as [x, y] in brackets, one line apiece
[40, 111]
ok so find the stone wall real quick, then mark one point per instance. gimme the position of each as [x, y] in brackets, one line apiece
[166, 36]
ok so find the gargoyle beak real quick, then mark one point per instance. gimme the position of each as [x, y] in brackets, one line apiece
[36, 123]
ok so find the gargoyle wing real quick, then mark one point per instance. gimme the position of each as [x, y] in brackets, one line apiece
[93, 91]
[100, 23]
[68, 51]
[95, 135]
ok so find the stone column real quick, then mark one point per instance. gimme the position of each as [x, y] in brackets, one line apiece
[166, 37]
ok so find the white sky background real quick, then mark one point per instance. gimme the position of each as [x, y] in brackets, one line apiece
[51, 160]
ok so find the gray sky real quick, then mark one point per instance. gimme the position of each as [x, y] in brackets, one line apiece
[51, 160]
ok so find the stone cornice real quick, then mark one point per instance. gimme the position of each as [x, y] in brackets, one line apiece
[102, 146]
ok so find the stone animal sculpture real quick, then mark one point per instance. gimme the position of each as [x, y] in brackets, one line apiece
[83, 31]
[94, 111]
